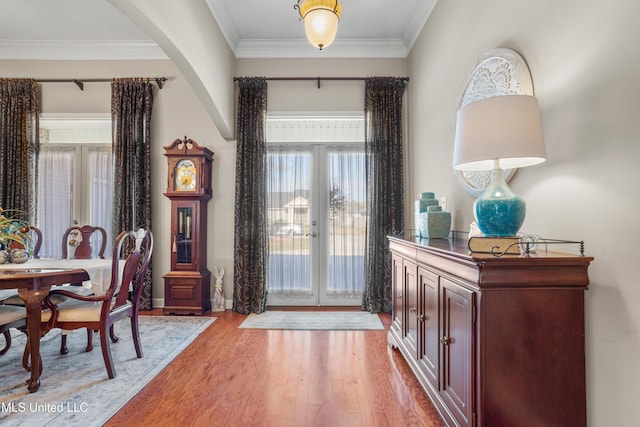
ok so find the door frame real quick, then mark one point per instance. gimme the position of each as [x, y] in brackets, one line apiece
[318, 246]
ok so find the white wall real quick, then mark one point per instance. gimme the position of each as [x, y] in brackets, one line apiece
[584, 58]
[177, 112]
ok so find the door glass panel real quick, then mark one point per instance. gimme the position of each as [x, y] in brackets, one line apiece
[288, 220]
[347, 222]
[55, 201]
[75, 179]
[316, 210]
[100, 192]
[183, 239]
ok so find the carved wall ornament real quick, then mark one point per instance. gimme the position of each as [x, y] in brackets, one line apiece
[496, 73]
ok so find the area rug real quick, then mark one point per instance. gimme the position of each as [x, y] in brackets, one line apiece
[75, 389]
[314, 320]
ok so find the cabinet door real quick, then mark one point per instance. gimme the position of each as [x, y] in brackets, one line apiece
[398, 289]
[410, 321]
[456, 344]
[429, 325]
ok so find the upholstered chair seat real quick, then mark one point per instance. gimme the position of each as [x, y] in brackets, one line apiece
[9, 314]
[81, 311]
[7, 293]
[11, 317]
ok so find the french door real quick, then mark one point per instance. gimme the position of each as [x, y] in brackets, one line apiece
[316, 224]
[75, 189]
[75, 177]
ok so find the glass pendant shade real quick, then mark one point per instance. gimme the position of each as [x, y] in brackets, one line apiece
[321, 19]
[499, 132]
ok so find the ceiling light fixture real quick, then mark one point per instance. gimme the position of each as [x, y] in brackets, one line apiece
[321, 19]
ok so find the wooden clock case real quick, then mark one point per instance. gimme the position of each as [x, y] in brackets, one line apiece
[187, 287]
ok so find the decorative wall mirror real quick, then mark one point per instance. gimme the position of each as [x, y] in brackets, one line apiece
[496, 73]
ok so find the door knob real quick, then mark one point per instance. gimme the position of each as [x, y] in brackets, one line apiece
[312, 234]
[445, 340]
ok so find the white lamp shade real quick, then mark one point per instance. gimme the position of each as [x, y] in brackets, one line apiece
[504, 128]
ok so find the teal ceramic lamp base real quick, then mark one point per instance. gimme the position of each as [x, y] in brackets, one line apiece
[499, 211]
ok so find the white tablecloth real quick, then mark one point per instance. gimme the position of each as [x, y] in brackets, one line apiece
[99, 270]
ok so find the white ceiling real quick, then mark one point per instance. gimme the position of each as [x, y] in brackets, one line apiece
[95, 29]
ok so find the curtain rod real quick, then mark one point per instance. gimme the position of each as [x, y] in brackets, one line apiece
[235, 79]
[80, 82]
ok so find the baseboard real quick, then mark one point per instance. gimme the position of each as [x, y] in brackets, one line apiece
[159, 303]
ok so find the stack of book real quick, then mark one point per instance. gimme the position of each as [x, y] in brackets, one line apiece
[495, 245]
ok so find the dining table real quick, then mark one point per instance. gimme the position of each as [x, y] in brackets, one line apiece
[33, 286]
[99, 269]
[35, 278]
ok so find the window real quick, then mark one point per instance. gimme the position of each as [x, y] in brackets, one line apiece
[75, 178]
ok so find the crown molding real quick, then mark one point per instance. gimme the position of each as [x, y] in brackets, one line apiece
[80, 50]
[419, 18]
[300, 48]
[223, 18]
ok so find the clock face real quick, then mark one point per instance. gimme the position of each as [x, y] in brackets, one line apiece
[185, 175]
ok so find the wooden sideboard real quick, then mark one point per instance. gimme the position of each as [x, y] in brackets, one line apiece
[494, 341]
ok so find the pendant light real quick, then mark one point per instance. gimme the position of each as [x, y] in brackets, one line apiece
[320, 19]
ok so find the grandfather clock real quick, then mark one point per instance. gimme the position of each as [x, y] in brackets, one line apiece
[187, 285]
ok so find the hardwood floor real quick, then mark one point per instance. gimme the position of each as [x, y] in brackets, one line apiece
[246, 377]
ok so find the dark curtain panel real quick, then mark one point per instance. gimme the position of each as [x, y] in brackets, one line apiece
[383, 145]
[250, 246]
[19, 145]
[131, 105]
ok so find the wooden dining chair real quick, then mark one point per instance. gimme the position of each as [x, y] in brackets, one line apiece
[11, 297]
[11, 317]
[100, 312]
[79, 238]
[33, 241]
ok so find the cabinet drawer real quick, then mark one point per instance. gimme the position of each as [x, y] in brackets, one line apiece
[182, 291]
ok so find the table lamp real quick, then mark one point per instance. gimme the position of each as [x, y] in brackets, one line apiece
[495, 133]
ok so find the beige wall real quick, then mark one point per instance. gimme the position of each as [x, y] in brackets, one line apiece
[187, 32]
[292, 96]
[177, 112]
[584, 58]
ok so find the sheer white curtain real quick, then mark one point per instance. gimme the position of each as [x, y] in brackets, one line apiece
[101, 190]
[288, 204]
[62, 198]
[339, 172]
[347, 221]
[55, 202]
